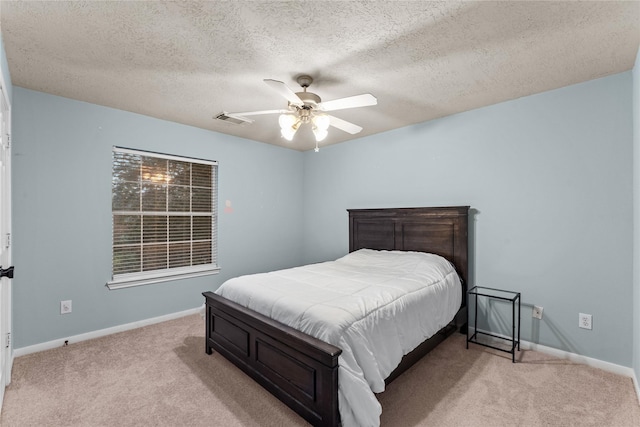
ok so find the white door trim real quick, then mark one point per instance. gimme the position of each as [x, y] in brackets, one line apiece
[6, 344]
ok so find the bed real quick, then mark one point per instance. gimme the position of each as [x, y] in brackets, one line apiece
[301, 370]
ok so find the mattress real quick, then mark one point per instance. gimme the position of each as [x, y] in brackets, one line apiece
[376, 306]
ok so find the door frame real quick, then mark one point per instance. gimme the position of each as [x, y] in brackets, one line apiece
[6, 343]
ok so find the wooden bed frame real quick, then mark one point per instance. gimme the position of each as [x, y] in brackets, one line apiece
[302, 371]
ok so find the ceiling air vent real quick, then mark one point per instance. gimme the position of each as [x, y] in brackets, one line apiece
[230, 118]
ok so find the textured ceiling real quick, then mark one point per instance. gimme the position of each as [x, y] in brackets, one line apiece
[188, 61]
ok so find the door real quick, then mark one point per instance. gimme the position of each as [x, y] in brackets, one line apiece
[5, 244]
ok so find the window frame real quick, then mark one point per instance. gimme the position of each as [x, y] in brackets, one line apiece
[126, 280]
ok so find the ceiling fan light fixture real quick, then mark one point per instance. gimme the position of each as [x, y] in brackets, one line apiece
[289, 125]
[307, 108]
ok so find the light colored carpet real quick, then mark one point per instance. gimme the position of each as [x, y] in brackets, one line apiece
[159, 375]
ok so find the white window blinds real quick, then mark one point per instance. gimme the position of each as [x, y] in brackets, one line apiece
[164, 217]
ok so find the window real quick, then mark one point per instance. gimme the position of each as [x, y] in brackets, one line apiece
[163, 217]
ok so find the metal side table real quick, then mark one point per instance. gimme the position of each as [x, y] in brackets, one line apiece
[499, 294]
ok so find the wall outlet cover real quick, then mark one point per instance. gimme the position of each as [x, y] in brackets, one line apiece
[65, 307]
[584, 321]
[537, 311]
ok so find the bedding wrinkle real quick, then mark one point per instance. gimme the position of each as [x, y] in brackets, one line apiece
[376, 306]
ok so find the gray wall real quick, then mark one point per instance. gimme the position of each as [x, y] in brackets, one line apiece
[62, 222]
[549, 177]
[636, 216]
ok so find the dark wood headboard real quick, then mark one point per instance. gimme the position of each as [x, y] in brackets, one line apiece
[442, 231]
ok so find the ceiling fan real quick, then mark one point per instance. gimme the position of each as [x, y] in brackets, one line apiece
[307, 107]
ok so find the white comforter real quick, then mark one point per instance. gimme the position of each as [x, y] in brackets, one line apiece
[375, 305]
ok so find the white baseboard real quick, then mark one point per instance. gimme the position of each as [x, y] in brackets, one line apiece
[577, 358]
[17, 352]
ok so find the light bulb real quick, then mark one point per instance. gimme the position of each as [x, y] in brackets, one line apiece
[320, 134]
[287, 120]
[322, 121]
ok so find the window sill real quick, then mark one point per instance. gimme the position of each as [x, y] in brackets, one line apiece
[141, 280]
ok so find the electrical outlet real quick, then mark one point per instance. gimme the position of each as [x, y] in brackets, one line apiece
[537, 311]
[65, 307]
[584, 321]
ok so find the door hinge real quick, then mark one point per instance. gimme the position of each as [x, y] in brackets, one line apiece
[8, 339]
[6, 272]
[8, 240]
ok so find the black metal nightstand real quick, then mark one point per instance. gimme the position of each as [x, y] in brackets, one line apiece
[480, 291]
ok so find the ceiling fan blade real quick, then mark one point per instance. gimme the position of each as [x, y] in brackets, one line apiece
[363, 100]
[257, 113]
[344, 125]
[284, 90]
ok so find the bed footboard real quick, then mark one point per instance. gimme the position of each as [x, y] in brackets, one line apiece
[298, 369]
